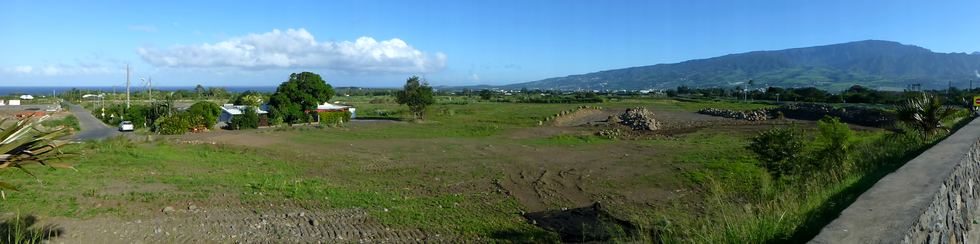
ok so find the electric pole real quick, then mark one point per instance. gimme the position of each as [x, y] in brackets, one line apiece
[127, 86]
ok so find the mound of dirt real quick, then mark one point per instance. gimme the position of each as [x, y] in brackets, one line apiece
[639, 119]
[585, 224]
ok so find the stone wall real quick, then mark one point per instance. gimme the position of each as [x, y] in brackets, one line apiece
[931, 199]
[952, 211]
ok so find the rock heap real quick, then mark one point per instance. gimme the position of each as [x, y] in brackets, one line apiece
[639, 119]
[851, 114]
[750, 115]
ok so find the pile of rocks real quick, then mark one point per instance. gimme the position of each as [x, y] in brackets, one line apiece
[750, 115]
[563, 113]
[639, 119]
[612, 133]
[854, 115]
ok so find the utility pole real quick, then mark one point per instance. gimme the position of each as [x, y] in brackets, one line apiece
[149, 83]
[127, 86]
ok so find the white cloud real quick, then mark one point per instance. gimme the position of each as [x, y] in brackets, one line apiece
[297, 48]
[24, 69]
[475, 77]
[142, 28]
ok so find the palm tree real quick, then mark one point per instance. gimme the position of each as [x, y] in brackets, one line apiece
[925, 113]
[22, 144]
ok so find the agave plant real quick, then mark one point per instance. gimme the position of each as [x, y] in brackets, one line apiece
[22, 144]
[925, 113]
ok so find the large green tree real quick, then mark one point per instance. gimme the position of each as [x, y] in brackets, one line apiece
[417, 95]
[301, 93]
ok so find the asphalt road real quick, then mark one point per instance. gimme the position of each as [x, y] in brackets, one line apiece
[92, 128]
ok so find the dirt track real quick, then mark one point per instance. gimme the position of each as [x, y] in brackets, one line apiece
[289, 223]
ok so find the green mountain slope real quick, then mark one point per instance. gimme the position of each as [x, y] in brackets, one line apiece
[880, 64]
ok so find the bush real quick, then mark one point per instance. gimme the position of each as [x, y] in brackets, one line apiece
[834, 142]
[173, 125]
[204, 113]
[334, 118]
[70, 121]
[249, 119]
[778, 150]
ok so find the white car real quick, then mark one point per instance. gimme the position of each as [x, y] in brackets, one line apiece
[126, 126]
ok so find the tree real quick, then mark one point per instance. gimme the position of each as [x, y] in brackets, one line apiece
[249, 119]
[300, 94]
[199, 90]
[250, 98]
[486, 94]
[924, 113]
[417, 95]
[204, 113]
[215, 92]
[779, 150]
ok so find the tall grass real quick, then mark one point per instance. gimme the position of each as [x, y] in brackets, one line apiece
[793, 209]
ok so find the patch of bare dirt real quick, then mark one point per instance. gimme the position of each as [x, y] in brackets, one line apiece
[276, 223]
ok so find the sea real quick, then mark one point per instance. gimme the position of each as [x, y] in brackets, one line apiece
[46, 90]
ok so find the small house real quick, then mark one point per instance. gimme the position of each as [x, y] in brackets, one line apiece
[26, 97]
[229, 111]
[329, 107]
[13, 102]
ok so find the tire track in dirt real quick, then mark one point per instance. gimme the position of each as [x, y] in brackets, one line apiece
[287, 223]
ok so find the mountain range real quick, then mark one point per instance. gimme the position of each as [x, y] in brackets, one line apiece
[878, 64]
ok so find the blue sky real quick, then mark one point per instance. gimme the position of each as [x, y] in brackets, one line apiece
[380, 43]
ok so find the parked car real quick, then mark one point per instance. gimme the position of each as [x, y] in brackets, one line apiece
[126, 126]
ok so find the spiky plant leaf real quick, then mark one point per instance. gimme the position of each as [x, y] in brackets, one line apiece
[22, 144]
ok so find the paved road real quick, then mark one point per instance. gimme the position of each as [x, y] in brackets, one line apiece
[92, 128]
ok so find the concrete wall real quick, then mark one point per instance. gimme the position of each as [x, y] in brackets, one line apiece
[931, 199]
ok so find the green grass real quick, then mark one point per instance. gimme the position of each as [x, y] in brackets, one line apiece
[744, 205]
[433, 174]
[69, 121]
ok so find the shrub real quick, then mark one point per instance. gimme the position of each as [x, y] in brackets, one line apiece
[334, 118]
[778, 149]
[204, 113]
[834, 142]
[173, 125]
[70, 121]
[249, 119]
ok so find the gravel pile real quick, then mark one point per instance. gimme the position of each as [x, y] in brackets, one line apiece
[751, 115]
[639, 119]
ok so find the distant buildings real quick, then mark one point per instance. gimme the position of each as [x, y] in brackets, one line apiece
[26, 97]
[229, 111]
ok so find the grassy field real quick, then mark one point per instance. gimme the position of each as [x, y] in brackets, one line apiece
[470, 169]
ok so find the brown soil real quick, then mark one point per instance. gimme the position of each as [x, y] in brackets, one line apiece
[275, 223]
